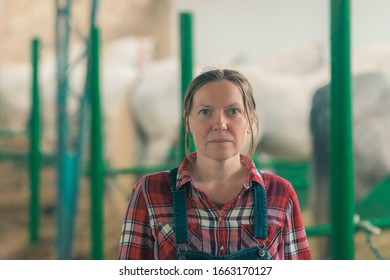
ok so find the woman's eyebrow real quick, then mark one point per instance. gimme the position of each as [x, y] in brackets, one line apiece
[234, 104]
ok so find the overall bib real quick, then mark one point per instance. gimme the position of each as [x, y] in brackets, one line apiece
[181, 227]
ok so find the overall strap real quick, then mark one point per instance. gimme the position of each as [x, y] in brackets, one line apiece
[179, 210]
[261, 218]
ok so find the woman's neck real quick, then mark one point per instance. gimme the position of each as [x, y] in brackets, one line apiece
[210, 170]
[220, 180]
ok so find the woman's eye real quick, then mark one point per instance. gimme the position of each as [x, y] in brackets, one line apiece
[204, 112]
[234, 111]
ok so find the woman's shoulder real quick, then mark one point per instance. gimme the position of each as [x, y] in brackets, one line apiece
[277, 185]
[154, 183]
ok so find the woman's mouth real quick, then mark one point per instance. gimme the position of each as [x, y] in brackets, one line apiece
[220, 141]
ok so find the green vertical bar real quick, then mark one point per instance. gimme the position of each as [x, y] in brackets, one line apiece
[35, 151]
[341, 151]
[187, 66]
[96, 152]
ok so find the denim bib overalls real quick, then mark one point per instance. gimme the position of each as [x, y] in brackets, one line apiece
[181, 227]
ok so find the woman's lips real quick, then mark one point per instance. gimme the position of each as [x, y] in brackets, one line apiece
[220, 141]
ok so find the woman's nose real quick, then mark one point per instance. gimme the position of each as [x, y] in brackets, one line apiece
[220, 122]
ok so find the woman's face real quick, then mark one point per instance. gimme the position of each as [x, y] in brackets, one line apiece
[218, 121]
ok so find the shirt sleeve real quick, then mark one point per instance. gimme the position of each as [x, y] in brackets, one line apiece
[137, 241]
[296, 246]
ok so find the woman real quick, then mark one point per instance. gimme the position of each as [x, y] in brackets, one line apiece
[216, 205]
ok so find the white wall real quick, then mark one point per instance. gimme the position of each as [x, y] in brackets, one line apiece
[255, 29]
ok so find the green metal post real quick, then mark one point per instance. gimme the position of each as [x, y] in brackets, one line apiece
[35, 150]
[97, 171]
[187, 66]
[341, 151]
[66, 160]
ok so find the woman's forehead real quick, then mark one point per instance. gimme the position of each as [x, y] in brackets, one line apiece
[218, 92]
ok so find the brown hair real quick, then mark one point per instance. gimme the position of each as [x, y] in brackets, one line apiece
[242, 83]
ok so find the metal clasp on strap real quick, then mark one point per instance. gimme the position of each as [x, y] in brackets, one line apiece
[262, 249]
[182, 250]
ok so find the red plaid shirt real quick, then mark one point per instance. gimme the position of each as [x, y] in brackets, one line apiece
[147, 231]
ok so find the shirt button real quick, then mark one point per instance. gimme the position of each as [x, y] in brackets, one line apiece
[219, 219]
[221, 248]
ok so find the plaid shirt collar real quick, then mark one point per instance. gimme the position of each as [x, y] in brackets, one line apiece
[184, 175]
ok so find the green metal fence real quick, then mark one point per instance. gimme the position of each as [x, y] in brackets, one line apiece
[375, 207]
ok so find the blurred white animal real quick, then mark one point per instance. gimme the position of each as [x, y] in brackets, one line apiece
[121, 62]
[283, 86]
[303, 58]
[371, 138]
[283, 102]
[156, 105]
